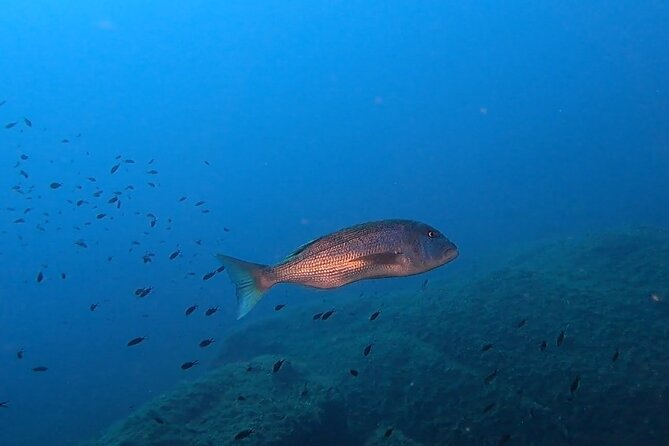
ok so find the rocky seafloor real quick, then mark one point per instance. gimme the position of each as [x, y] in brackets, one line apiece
[427, 380]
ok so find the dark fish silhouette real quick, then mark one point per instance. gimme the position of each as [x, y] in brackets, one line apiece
[175, 254]
[243, 434]
[574, 385]
[210, 311]
[520, 323]
[4, 404]
[560, 338]
[367, 350]
[279, 307]
[374, 315]
[114, 168]
[327, 315]
[40, 368]
[190, 310]
[40, 277]
[209, 275]
[543, 345]
[491, 376]
[93, 307]
[135, 341]
[206, 342]
[158, 420]
[389, 248]
[317, 316]
[9, 125]
[354, 372]
[388, 432]
[19, 354]
[616, 356]
[27, 122]
[486, 347]
[277, 365]
[489, 407]
[187, 365]
[55, 185]
[143, 292]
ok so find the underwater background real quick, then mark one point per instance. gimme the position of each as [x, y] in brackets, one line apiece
[140, 139]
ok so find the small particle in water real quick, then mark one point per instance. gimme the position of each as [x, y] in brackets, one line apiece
[616, 356]
[209, 275]
[93, 307]
[654, 297]
[486, 347]
[491, 376]
[135, 341]
[575, 384]
[543, 345]
[520, 323]
[40, 368]
[55, 185]
[190, 310]
[243, 434]
[279, 307]
[374, 315]
[327, 315]
[489, 407]
[367, 350]
[388, 432]
[560, 338]
[277, 365]
[210, 311]
[206, 342]
[187, 365]
[354, 372]
[317, 316]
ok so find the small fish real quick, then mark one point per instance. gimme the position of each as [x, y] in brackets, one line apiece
[158, 420]
[182, 199]
[114, 168]
[491, 376]
[574, 385]
[81, 243]
[175, 254]
[277, 365]
[424, 285]
[367, 350]
[374, 315]
[151, 184]
[327, 315]
[543, 345]
[200, 203]
[206, 342]
[353, 372]
[210, 311]
[504, 439]
[187, 365]
[27, 122]
[317, 316]
[100, 216]
[64, 141]
[489, 407]
[209, 275]
[389, 248]
[20, 354]
[220, 269]
[486, 347]
[143, 292]
[24, 174]
[152, 172]
[241, 398]
[24, 157]
[93, 307]
[520, 323]
[560, 338]
[9, 125]
[4, 404]
[388, 432]
[40, 277]
[616, 356]
[40, 368]
[55, 185]
[243, 434]
[279, 307]
[135, 341]
[20, 220]
[129, 161]
[190, 310]
[113, 199]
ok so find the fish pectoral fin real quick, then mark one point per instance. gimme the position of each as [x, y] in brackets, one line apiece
[384, 258]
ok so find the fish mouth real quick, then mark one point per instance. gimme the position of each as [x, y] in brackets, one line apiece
[451, 253]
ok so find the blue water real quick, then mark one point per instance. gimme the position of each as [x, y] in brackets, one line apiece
[500, 124]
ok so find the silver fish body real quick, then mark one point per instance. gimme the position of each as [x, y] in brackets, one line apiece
[388, 248]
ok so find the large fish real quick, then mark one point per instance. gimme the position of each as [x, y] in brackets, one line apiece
[388, 248]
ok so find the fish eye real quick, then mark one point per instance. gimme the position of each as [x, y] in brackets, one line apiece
[432, 234]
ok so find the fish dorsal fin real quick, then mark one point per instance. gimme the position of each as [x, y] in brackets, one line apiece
[300, 249]
[383, 258]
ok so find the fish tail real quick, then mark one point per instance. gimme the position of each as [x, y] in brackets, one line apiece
[251, 281]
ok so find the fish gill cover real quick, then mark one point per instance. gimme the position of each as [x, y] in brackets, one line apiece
[139, 140]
